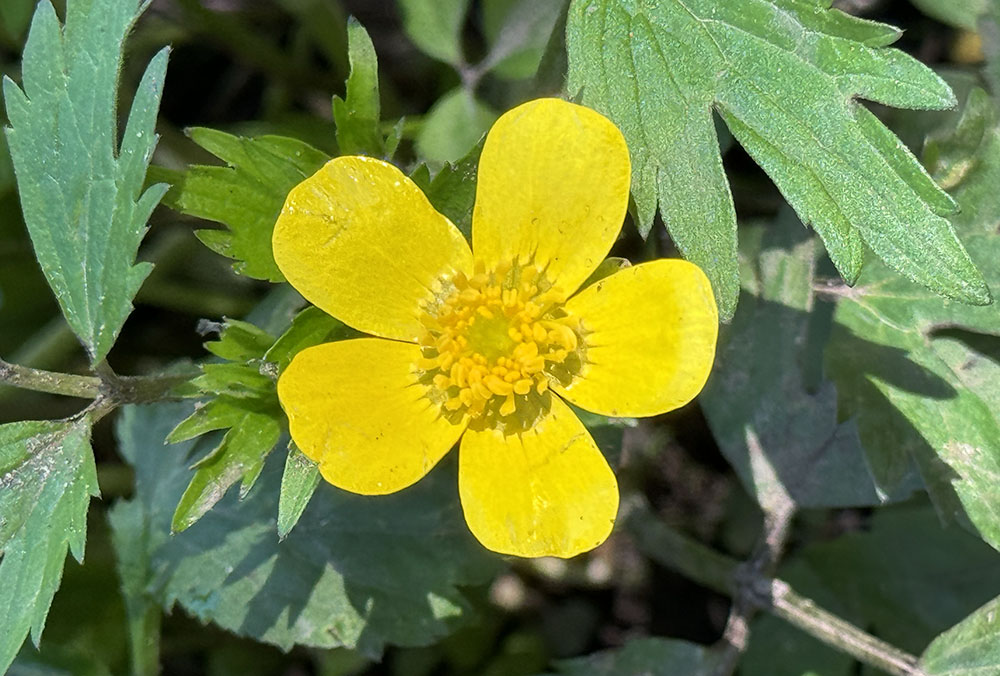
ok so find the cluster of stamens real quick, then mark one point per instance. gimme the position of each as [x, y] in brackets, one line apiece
[493, 343]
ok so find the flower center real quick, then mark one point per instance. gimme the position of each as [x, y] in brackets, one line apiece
[494, 342]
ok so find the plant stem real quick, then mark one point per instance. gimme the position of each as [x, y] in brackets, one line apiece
[725, 574]
[107, 389]
[71, 385]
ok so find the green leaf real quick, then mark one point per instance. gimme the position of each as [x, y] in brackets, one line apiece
[453, 126]
[784, 75]
[47, 477]
[518, 31]
[957, 13]
[246, 196]
[82, 195]
[917, 394]
[298, 483]
[782, 437]
[452, 191]
[358, 116]
[240, 456]
[356, 571]
[310, 327]
[972, 648]
[647, 656]
[435, 26]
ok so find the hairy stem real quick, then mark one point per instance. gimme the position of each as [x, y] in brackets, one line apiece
[725, 574]
[68, 384]
[107, 389]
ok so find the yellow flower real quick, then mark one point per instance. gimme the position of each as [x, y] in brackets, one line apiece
[486, 344]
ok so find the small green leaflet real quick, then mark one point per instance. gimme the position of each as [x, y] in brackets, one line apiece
[783, 440]
[246, 196]
[784, 75]
[47, 477]
[298, 483]
[647, 656]
[357, 116]
[81, 194]
[243, 402]
[918, 394]
[971, 648]
[356, 571]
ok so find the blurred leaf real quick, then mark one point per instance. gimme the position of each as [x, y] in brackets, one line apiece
[246, 196]
[358, 116]
[47, 477]
[15, 15]
[454, 126]
[129, 536]
[644, 657]
[776, 649]
[360, 572]
[518, 31]
[957, 13]
[81, 194]
[298, 482]
[435, 26]
[907, 579]
[452, 191]
[310, 327]
[972, 648]
[913, 396]
[784, 76]
[783, 439]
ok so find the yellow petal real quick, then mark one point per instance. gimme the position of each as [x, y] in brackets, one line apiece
[553, 185]
[651, 342]
[354, 408]
[360, 240]
[545, 492]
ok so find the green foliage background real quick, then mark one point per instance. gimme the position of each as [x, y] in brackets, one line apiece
[834, 172]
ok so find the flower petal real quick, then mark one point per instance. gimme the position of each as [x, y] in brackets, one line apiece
[360, 240]
[355, 408]
[553, 185]
[651, 341]
[545, 492]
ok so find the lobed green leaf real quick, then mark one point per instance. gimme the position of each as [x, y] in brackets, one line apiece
[782, 437]
[784, 75]
[246, 196]
[47, 477]
[81, 193]
[904, 366]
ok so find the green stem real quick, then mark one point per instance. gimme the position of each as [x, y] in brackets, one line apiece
[68, 384]
[725, 574]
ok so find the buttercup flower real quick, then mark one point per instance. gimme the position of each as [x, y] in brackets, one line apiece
[487, 344]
